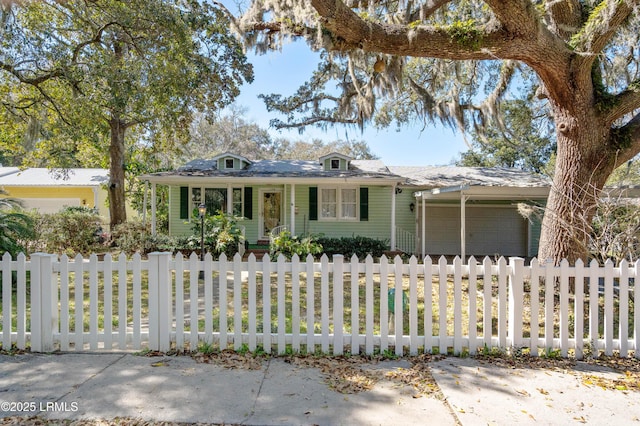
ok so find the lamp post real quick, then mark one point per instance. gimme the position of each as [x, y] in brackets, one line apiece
[202, 209]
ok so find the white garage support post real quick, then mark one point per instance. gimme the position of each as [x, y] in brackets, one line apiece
[153, 209]
[292, 225]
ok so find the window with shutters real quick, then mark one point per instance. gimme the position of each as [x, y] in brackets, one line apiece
[216, 200]
[338, 203]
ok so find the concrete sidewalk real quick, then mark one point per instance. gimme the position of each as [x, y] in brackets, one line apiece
[179, 389]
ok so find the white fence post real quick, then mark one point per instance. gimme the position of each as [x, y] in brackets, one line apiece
[7, 285]
[338, 304]
[516, 298]
[160, 310]
[43, 302]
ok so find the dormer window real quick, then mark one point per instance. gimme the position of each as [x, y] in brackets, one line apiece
[335, 161]
[228, 163]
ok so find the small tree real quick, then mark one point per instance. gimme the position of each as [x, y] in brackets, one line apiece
[222, 234]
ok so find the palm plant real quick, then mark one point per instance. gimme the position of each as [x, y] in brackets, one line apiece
[15, 226]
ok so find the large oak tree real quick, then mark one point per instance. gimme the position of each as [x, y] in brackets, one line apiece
[436, 59]
[108, 68]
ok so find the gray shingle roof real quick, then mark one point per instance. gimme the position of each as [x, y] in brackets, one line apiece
[444, 176]
[283, 168]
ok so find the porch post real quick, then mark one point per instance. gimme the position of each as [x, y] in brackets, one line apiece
[463, 232]
[393, 217]
[153, 209]
[416, 246]
[229, 199]
[424, 231]
[145, 197]
[292, 226]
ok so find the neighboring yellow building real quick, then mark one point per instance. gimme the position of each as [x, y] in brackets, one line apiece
[48, 192]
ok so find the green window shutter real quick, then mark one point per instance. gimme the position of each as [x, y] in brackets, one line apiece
[248, 202]
[364, 204]
[313, 203]
[184, 202]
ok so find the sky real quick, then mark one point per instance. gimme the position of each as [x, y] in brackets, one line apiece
[283, 72]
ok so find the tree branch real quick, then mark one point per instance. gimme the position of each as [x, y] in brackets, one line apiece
[427, 9]
[517, 17]
[625, 103]
[565, 17]
[632, 130]
[351, 32]
[277, 27]
[278, 124]
[34, 81]
[602, 26]
[96, 39]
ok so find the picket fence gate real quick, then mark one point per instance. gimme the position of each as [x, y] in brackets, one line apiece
[166, 302]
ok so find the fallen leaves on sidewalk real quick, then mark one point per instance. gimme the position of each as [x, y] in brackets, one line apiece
[342, 374]
[231, 360]
[628, 369]
[355, 374]
[419, 375]
[628, 381]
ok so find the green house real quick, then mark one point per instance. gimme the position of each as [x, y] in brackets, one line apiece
[418, 210]
[335, 195]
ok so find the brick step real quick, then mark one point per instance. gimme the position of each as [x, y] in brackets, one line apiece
[258, 253]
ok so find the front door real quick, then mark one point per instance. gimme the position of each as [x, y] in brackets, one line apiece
[270, 211]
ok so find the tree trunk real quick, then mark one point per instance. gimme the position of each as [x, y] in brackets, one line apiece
[584, 161]
[117, 205]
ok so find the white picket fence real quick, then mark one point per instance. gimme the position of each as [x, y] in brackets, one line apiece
[168, 302]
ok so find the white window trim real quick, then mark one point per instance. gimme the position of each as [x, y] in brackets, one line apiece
[331, 160]
[232, 163]
[338, 217]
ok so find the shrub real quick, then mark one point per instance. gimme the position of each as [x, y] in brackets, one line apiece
[358, 245]
[132, 237]
[289, 245]
[72, 230]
